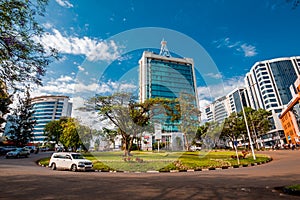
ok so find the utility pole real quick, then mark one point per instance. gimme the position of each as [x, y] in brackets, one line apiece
[248, 132]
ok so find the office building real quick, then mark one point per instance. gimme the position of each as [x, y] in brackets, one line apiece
[268, 86]
[164, 76]
[290, 118]
[237, 99]
[222, 107]
[46, 109]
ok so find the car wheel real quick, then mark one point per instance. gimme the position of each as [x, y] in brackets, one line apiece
[73, 168]
[17, 156]
[53, 166]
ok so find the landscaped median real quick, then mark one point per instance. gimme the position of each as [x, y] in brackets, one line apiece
[144, 161]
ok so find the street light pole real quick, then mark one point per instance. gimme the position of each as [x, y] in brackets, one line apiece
[248, 132]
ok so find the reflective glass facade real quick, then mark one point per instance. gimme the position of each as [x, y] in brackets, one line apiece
[284, 75]
[46, 109]
[166, 77]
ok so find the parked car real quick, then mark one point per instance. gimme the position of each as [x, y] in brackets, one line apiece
[2, 151]
[5, 149]
[31, 149]
[44, 148]
[195, 148]
[70, 161]
[17, 153]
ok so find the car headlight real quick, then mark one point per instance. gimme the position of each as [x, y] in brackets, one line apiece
[81, 163]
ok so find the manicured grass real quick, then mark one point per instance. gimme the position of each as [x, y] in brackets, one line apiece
[44, 161]
[142, 161]
[292, 189]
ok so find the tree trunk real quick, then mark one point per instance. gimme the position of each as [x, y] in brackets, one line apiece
[130, 145]
[127, 145]
[187, 146]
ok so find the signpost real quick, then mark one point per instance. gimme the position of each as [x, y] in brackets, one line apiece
[235, 143]
[157, 129]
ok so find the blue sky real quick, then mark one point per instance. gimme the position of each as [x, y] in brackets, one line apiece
[234, 34]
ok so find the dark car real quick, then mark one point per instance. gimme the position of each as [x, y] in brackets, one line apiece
[17, 153]
[2, 151]
[5, 149]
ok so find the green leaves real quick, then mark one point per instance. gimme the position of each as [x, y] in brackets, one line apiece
[22, 58]
[23, 122]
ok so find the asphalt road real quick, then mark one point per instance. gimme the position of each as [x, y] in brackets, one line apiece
[23, 179]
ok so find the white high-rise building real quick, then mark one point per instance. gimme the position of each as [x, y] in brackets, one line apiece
[218, 110]
[236, 99]
[268, 86]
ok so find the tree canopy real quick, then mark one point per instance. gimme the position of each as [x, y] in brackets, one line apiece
[130, 118]
[189, 117]
[5, 101]
[21, 129]
[22, 58]
[69, 132]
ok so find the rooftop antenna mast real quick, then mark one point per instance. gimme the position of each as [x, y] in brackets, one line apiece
[163, 49]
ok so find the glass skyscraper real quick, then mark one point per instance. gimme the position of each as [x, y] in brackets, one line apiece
[46, 109]
[166, 77]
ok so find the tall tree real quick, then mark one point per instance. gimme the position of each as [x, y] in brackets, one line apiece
[69, 132]
[201, 131]
[210, 135]
[189, 117]
[130, 119]
[22, 130]
[53, 130]
[233, 127]
[109, 135]
[258, 122]
[86, 135]
[5, 101]
[22, 58]
[70, 137]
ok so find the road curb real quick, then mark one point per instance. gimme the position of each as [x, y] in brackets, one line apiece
[182, 170]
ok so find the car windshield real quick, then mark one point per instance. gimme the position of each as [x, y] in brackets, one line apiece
[77, 156]
[19, 149]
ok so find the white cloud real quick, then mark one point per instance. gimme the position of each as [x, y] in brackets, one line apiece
[80, 68]
[89, 118]
[249, 50]
[64, 79]
[212, 92]
[67, 85]
[64, 3]
[93, 49]
[214, 75]
[239, 46]
[47, 25]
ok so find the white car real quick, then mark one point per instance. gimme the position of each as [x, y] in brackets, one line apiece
[195, 148]
[70, 161]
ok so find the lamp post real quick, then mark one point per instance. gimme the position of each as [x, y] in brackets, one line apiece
[248, 132]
